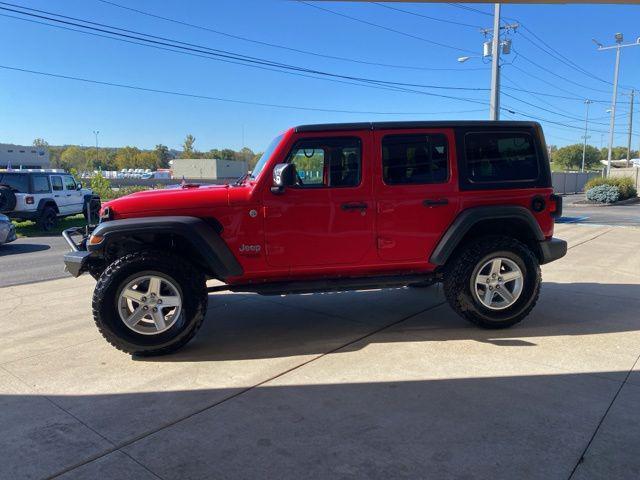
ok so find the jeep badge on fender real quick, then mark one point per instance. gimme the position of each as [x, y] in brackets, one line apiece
[343, 207]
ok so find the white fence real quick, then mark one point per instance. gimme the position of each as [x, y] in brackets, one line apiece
[571, 182]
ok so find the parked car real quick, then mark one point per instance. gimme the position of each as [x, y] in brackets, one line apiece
[7, 230]
[469, 204]
[44, 196]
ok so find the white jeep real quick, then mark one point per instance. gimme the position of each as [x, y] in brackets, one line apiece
[45, 196]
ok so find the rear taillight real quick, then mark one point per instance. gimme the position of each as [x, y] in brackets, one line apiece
[29, 200]
[555, 205]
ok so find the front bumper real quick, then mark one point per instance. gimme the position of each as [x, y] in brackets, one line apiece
[552, 249]
[76, 261]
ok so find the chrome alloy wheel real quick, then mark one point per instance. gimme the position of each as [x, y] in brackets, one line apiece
[150, 304]
[498, 283]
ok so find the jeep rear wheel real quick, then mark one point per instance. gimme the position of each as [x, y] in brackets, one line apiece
[7, 199]
[493, 282]
[149, 303]
[48, 219]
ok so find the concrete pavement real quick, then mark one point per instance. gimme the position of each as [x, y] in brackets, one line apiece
[377, 384]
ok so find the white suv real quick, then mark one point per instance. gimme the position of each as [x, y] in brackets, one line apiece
[44, 196]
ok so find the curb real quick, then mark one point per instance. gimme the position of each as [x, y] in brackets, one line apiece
[628, 201]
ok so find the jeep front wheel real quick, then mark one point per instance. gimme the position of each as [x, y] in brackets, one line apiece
[493, 282]
[149, 303]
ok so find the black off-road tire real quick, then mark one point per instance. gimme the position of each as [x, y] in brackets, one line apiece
[189, 279]
[7, 199]
[461, 268]
[48, 219]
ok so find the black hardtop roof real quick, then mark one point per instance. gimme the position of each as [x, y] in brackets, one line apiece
[321, 127]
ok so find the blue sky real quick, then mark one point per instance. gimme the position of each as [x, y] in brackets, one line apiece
[66, 112]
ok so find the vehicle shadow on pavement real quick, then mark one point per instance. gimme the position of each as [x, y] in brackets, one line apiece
[255, 328]
[15, 249]
[396, 426]
[393, 425]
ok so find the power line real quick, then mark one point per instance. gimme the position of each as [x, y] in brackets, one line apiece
[389, 29]
[470, 9]
[435, 19]
[275, 45]
[223, 54]
[222, 99]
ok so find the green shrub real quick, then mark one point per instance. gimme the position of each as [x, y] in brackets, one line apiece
[100, 186]
[625, 185]
[603, 194]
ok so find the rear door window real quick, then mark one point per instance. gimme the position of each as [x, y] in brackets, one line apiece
[497, 157]
[17, 181]
[56, 183]
[414, 159]
[41, 184]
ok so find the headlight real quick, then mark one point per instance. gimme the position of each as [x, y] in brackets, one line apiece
[106, 214]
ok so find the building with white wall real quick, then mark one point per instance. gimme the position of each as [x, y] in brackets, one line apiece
[20, 156]
[208, 168]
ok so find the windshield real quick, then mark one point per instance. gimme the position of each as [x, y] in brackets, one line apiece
[265, 157]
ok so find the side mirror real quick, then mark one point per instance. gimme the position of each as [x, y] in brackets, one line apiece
[284, 175]
[79, 186]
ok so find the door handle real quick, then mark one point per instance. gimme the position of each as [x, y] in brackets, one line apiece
[354, 206]
[435, 203]
[68, 194]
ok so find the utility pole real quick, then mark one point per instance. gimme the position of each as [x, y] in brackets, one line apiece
[631, 96]
[618, 46]
[494, 102]
[493, 49]
[587, 102]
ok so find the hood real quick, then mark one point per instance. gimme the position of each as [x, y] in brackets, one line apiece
[169, 201]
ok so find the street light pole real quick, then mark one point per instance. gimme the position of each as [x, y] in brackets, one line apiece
[618, 46]
[586, 129]
[494, 102]
[631, 95]
[96, 132]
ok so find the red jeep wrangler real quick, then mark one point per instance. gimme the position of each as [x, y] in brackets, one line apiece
[333, 207]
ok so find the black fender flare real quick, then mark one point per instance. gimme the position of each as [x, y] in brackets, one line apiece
[44, 202]
[472, 216]
[196, 232]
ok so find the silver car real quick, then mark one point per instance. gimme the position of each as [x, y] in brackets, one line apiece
[7, 230]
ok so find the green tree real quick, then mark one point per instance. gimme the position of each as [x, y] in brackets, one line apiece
[187, 147]
[617, 153]
[126, 158]
[40, 142]
[162, 156]
[145, 160]
[73, 157]
[570, 157]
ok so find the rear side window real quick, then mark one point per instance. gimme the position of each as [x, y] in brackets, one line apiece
[414, 159]
[56, 182]
[495, 157]
[41, 184]
[17, 181]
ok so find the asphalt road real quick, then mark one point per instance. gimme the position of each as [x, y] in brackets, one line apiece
[623, 215]
[32, 259]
